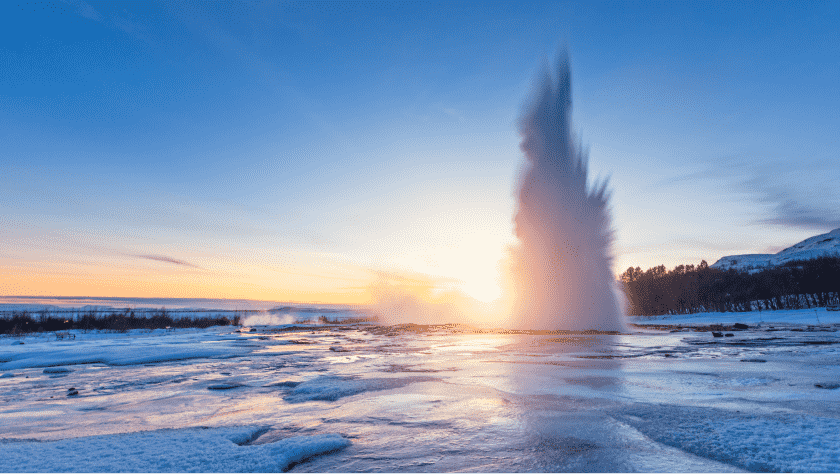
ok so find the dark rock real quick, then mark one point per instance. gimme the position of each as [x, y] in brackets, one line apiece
[224, 386]
[717, 334]
[827, 386]
[729, 334]
[57, 370]
[72, 393]
[753, 360]
[71, 389]
[740, 326]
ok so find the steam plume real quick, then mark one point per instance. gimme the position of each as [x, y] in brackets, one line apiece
[563, 264]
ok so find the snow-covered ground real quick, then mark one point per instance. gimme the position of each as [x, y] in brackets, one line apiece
[814, 316]
[365, 398]
[261, 312]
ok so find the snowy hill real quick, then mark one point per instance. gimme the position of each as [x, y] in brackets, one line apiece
[822, 245]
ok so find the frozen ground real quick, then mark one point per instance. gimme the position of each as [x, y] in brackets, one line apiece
[408, 398]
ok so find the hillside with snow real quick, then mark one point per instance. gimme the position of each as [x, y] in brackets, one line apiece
[823, 245]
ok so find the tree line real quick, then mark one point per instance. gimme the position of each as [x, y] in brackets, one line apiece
[23, 322]
[692, 289]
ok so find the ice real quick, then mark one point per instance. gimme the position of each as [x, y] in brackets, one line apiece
[780, 442]
[331, 388]
[184, 450]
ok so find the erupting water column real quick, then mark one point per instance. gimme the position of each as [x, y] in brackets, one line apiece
[563, 264]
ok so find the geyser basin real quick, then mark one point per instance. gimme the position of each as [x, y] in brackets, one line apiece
[563, 265]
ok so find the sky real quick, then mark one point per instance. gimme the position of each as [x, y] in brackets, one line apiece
[303, 151]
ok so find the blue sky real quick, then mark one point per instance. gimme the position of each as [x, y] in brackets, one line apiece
[293, 151]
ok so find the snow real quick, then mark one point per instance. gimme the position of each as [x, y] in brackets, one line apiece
[827, 244]
[183, 450]
[813, 316]
[744, 262]
[136, 348]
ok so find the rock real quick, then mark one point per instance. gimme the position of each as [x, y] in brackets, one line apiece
[57, 370]
[717, 334]
[753, 360]
[729, 334]
[72, 393]
[224, 386]
[740, 326]
[71, 389]
[827, 386]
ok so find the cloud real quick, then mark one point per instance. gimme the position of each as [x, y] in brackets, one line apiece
[112, 20]
[163, 258]
[789, 212]
[86, 10]
[799, 194]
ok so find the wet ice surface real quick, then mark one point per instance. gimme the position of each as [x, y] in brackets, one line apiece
[364, 398]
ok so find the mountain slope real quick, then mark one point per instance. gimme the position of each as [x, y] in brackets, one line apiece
[823, 245]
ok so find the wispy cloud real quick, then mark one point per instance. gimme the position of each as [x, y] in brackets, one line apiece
[789, 212]
[164, 258]
[111, 20]
[86, 10]
[795, 194]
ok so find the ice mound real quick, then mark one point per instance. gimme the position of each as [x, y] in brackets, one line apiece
[184, 450]
[331, 388]
[776, 443]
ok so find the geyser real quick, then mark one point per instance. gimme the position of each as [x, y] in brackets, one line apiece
[563, 263]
